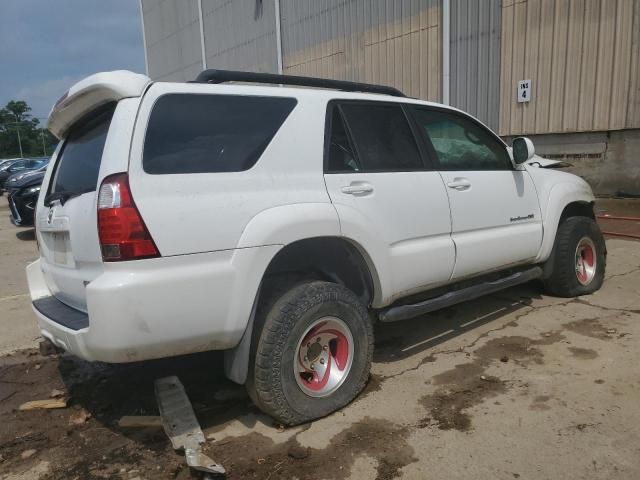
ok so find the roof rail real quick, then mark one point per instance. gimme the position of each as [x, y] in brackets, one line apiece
[221, 76]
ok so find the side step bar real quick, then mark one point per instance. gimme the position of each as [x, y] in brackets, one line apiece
[405, 312]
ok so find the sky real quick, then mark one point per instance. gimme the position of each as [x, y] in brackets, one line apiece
[47, 45]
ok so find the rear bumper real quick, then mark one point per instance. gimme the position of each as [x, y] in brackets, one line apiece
[157, 307]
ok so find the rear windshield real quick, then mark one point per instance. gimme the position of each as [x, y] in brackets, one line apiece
[193, 133]
[79, 161]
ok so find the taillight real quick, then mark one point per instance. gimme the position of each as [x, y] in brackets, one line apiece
[123, 234]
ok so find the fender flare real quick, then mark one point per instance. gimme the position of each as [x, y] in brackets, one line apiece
[282, 226]
[560, 196]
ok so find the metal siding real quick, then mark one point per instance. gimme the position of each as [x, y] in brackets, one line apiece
[475, 58]
[582, 58]
[392, 42]
[240, 35]
[543, 80]
[633, 115]
[172, 35]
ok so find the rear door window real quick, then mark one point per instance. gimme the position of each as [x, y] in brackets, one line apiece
[194, 133]
[78, 165]
[382, 136]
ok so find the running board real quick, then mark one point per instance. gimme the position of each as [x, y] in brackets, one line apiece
[405, 312]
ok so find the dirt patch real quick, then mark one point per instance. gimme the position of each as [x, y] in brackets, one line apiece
[373, 385]
[515, 348]
[540, 403]
[583, 353]
[449, 407]
[519, 349]
[105, 393]
[590, 327]
[459, 374]
[462, 387]
[466, 385]
[257, 456]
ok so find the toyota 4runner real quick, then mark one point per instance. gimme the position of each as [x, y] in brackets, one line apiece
[278, 223]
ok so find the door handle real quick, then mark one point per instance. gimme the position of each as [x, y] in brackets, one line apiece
[357, 188]
[459, 184]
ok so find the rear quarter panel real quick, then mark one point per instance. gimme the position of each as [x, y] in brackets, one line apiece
[203, 212]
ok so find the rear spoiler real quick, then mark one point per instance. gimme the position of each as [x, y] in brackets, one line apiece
[92, 92]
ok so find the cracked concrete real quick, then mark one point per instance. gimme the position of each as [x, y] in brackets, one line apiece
[567, 397]
[513, 385]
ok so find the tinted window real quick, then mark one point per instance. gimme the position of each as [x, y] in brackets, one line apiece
[211, 133]
[341, 155]
[79, 162]
[462, 144]
[382, 137]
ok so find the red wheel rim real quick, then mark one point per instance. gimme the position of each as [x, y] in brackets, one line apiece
[586, 261]
[323, 357]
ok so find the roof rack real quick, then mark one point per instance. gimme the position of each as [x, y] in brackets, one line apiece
[221, 76]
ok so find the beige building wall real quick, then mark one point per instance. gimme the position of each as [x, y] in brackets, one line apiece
[240, 35]
[172, 36]
[396, 43]
[582, 57]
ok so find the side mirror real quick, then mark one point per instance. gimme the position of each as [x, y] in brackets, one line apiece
[522, 150]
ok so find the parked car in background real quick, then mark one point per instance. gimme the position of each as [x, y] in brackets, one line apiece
[23, 196]
[15, 179]
[7, 163]
[20, 166]
[5, 160]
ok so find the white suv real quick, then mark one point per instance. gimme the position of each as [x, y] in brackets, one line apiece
[279, 223]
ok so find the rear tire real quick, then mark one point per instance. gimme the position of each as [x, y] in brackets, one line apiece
[313, 354]
[579, 259]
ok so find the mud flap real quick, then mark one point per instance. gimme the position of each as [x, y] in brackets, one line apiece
[181, 425]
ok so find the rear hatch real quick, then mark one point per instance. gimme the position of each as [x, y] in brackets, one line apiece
[95, 123]
[67, 231]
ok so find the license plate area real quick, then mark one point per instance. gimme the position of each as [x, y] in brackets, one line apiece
[58, 251]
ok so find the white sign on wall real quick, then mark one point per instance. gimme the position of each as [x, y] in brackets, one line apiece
[524, 91]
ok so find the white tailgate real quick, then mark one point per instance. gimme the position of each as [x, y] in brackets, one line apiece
[67, 228]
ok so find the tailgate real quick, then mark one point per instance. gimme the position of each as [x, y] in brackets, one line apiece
[66, 217]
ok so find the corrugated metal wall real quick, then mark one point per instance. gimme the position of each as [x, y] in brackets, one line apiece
[581, 60]
[240, 35]
[633, 113]
[391, 42]
[172, 36]
[475, 58]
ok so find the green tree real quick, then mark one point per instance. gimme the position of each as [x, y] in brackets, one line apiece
[18, 129]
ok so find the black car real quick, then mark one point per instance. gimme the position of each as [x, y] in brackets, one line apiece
[23, 196]
[19, 166]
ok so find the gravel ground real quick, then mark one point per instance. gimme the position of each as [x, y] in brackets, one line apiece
[514, 385]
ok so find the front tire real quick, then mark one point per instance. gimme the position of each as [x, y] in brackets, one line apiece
[579, 259]
[313, 354]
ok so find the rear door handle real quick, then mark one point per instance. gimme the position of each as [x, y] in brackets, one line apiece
[358, 188]
[459, 184]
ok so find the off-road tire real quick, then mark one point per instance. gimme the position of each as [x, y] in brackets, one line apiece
[563, 281]
[283, 318]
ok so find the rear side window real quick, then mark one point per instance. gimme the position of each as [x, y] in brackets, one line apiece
[79, 161]
[191, 133]
[342, 157]
[382, 137]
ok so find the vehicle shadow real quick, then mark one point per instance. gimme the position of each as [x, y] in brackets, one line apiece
[399, 340]
[110, 392]
[26, 235]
